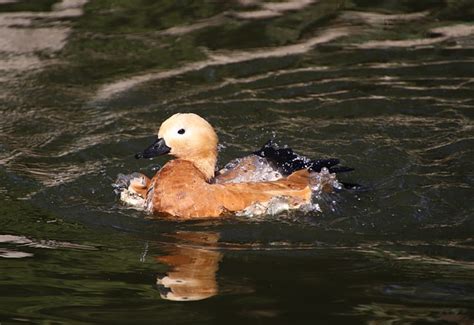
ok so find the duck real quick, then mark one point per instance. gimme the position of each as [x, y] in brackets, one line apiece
[268, 181]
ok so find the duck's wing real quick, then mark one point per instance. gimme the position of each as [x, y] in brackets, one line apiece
[257, 197]
[286, 161]
[272, 163]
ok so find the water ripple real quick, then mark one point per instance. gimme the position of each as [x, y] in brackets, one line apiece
[216, 59]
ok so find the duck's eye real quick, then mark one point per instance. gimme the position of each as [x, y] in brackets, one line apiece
[181, 131]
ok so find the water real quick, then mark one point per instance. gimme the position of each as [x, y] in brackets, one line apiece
[384, 86]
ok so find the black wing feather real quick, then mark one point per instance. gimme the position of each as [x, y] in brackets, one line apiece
[287, 161]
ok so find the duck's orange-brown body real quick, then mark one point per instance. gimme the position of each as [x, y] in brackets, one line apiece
[180, 189]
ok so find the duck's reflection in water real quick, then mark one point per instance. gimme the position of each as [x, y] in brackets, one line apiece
[193, 263]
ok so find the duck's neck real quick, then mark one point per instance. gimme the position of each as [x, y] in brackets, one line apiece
[206, 165]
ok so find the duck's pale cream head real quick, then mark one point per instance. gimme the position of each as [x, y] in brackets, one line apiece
[187, 136]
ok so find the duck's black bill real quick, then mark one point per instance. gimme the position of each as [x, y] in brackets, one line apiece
[158, 148]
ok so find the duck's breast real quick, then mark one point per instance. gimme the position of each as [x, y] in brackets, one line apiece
[181, 190]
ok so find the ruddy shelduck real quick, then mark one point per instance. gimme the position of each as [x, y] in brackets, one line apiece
[188, 186]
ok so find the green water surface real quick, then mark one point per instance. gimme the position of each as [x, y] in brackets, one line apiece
[386, 86]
